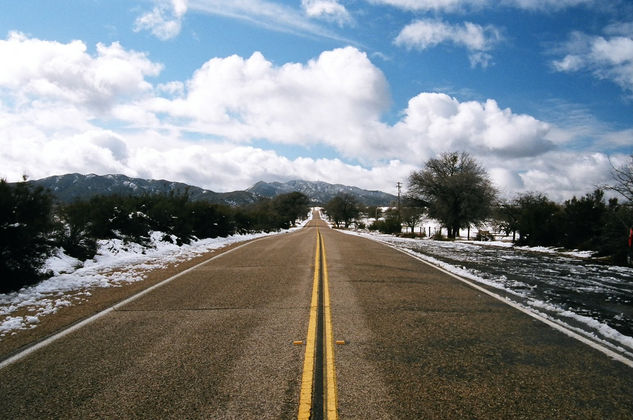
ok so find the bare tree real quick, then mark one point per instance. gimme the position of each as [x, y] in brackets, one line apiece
[623, 178]
[411, 212]
[456, 189]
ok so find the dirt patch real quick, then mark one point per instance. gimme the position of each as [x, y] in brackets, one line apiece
[98, 300]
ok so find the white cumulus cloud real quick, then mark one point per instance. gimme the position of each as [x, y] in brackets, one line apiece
[336, 99]
[330, 10]
[165, 20]
[53, 71]
[428, 33]
[440, 123]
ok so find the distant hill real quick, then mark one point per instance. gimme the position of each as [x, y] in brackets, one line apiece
[71, 187]
[322, 192]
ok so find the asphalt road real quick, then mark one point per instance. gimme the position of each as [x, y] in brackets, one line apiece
[217, 343]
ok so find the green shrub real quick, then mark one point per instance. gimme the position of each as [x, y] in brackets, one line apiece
[388, 226]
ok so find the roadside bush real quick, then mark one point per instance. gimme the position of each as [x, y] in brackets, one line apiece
[244, 221]
[342, 209]
[75, 234]
[211, 220]
[388, 226]
[290, 207]
[582, 221]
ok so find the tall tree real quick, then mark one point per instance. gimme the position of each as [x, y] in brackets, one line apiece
[456, 190]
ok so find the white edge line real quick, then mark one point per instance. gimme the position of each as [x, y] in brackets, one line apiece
[556, 326]
[22, 354]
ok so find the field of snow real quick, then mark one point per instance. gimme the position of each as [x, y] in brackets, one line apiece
[115, 264]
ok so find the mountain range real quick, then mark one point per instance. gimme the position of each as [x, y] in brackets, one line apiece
[71, 187]
[321, 192]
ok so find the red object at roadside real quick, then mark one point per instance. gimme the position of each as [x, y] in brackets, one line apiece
[630, 237]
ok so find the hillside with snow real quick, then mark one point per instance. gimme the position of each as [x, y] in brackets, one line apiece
[70, 187]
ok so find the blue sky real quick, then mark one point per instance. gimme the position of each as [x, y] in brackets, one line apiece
[222, 94]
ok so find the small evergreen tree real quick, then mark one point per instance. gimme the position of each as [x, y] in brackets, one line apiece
[26, 227]
[538, 222]
[75, 235]
[583, 221]
[615, 227]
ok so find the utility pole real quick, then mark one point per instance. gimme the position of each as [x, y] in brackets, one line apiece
[399, 185]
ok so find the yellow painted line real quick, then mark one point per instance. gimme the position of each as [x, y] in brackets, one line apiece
[331, 392]
[307, 380]
[305, 397]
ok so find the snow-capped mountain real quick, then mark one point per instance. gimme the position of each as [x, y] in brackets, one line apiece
[321, 192]
[70, 187]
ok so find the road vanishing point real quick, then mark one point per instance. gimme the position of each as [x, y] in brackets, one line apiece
[313, 324]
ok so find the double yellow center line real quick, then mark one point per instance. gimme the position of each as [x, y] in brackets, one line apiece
[318, 383]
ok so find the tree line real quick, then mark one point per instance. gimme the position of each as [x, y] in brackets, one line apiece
[590, 223]
[455, 190]
[33, 225]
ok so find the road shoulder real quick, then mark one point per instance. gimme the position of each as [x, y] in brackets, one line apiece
[99, 300]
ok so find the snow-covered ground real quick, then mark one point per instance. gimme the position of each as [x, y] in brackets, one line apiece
[115, 264]
[591, 299]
